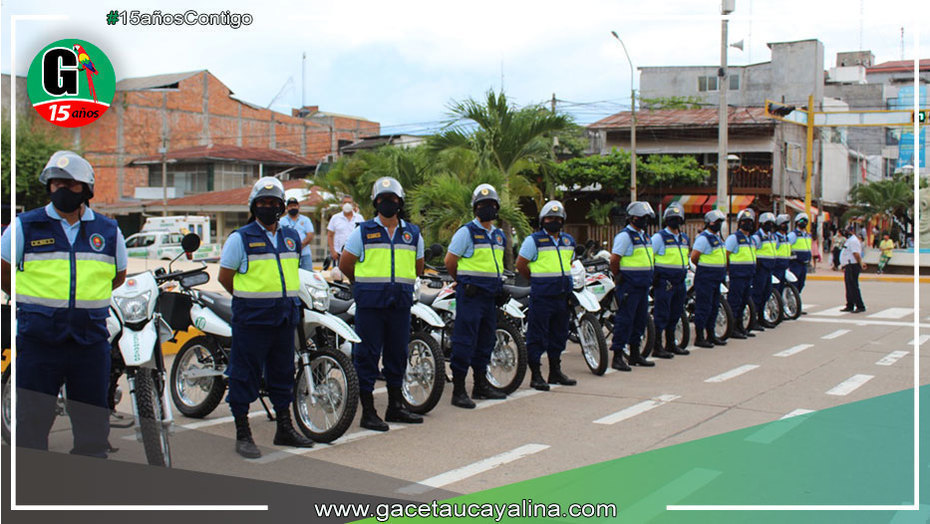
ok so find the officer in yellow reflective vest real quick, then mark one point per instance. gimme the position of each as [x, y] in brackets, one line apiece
[764, 240]
[671, 246]
[632, 263]
[741, 256]
[382, 258]
[800, 241]
[546, 261]
[782, 250]
[709, 255]
[259, 267]
[68, 260]
[476, 261]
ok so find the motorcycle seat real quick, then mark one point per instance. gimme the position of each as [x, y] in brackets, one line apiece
[219, 304]
[338, 306]
[427, 299]
[517, 292]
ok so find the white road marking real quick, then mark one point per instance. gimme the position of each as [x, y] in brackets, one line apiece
[891, 358]
[862, 322]
[464, 472]
[345, 439]
[793, 350]
[379, 391]
[849, 385]
[893, 313]
[523, 393]
[836, 334]
[805, 307]
[216, 421]
[920, 340]
[831, 312]
[799, 411]
[732, 373]
[636, 409]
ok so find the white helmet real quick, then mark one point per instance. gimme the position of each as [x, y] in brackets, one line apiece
[71, 166]
[553, 208]
[799, 217]
[766, 217]
[484, 192]
[268, 186]
[714, 215]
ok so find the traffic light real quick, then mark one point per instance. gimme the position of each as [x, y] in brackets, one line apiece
[781, 110]
[922, 116]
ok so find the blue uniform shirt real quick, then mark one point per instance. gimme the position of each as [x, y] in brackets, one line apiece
[233, 256]
[623, 244]
[658, 243]
[355, 245]
[71, 231]
[732, 244]
[702, 245]
[303, 225]
[461, 244]
[528, 248]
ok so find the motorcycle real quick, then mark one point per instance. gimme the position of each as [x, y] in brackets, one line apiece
[325, 385]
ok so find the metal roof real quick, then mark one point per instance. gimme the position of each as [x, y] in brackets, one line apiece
[165, 81]
[704, 117]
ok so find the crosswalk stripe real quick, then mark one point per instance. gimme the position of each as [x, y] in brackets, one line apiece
[891, 358]
[732, 373]
[831, 312]
[893, 313]
[464, 472]
[636, 409]
[793, 350]
[836, 334]
[849, 385]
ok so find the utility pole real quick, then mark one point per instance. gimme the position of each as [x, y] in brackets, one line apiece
[164, 176]
[555, 153]
[303, 80]
[810, 156]
[726, 7]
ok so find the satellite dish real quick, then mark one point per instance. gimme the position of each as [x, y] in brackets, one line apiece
[738, 45]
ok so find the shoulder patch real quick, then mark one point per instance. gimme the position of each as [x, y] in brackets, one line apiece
[42, 242]
[373, 235]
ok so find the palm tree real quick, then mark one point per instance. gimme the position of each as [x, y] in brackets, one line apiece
[891, 200]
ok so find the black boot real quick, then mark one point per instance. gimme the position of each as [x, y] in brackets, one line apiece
[636, 359]
[245, 446]
[397, 410]
[658, 350]
[738, 333]
[556, 376]
[370, 419]
[482, 388]
[699, 339]
[459, 395]
[286, 434]
[712, 338]
[670, 343]
[618, 363]
[536, 378]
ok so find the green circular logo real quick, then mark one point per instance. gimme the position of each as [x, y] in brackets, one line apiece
[71, 83]
[200, 322]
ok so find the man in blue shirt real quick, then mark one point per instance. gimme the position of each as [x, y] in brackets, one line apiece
[304, 228]
[710, 258]
[671, 247]
[741, 260]
[766, 246]
[800, 241]
[632, 264]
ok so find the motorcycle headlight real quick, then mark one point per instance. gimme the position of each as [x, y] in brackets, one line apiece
[416, 289]
[320, 298]
[577, 280]
[134, 309]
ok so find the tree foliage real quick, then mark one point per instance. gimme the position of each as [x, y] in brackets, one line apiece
[34, 146]
[612, 171]
[890, 199]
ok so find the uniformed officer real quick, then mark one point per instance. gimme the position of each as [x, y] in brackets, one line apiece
[545, 259]
[671, 247]
[476, 261]
[782, 250]
[710, 258]
[632, 263]
[800, 241]
[259, 267]
[382, 258]
[764, 241]
[68, 259]
[741, 260]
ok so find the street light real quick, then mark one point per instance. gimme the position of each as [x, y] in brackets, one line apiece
[632, 123]
[726, 7]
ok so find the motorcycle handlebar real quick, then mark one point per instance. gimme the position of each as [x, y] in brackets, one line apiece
[177, 275]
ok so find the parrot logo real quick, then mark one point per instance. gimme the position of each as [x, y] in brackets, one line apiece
[87, 66]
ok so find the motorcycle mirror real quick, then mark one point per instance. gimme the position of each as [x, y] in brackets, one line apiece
[190, 242]
[579, 250]
[435, 250]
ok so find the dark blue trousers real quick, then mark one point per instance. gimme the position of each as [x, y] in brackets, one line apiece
[706, 302]
[669, 295]
[547, 329]
[779, 273]
[632, 311]
[385, 334]
[258, 351]
[739, 294]
[761, 287]
[800, 270]
[473, 335]
[84, 369]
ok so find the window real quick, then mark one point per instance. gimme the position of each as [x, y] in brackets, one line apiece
[141, 241]
[707, 83]
[734, 83]
[173, 239]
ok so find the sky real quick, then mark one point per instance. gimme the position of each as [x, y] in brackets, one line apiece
[402, 63]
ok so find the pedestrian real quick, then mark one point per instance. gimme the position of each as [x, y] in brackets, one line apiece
[741, 262]
[259, 268]
[304, 227]
[851, 260]
[671, 247]
[838, 241]
[887, 246]
[475, 260]
[764, 241]
[709, 255]
[545, 259]
[876, 238]
[815, 252]
[68, 260]
[383, 258]
[632, 263]
[800, 241]
[337, 231]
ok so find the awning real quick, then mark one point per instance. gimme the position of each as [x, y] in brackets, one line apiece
[700, 204]
[690, 203]
[798, 205]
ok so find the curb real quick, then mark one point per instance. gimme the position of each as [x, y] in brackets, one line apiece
[870, 278]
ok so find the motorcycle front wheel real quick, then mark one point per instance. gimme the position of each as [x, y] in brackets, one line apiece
[725, 321]
[774, 310]
[425, 376]
[7, 405]
[593, 343]
[507, 366]
[149, 388]
[683, 331]
[792, 302]
[325, 414]
[197, 396]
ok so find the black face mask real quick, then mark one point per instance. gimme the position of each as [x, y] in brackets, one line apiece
[746, 226]
[387, 208]
[638, 222]
[486, 213]
[673, 222]
[266, 215]
[293, 212]
[66, 200]
[553, 226]
[715, 227]
[768, 227]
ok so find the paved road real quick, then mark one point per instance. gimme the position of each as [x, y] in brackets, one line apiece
[824, 359]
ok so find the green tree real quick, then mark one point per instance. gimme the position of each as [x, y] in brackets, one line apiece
[890, 199]
[612, 171]
[34, 146]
